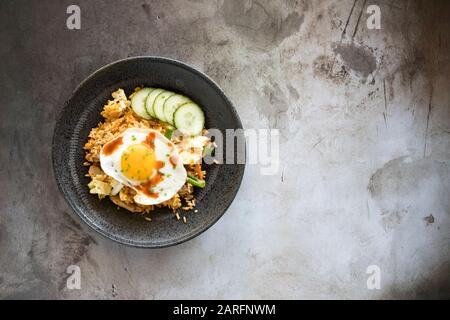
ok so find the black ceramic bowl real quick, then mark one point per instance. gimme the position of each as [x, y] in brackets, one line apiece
[82, 113]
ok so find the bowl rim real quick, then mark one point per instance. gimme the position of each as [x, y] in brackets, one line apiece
[66, 194]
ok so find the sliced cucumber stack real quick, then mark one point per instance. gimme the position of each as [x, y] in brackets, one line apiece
[171, 105]
[158, 105]
[189, 119]
[138, 102]
[150, 100]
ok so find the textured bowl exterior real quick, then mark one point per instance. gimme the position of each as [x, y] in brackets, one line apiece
[82, 113]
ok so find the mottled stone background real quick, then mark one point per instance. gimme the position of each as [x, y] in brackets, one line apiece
[364, 120]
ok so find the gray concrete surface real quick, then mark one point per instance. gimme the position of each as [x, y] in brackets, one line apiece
[364, 118]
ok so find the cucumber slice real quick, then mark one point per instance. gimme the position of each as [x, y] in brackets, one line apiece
[189, 119]
[150, 100]
[171, 105]
[159, 104]
[138, 102]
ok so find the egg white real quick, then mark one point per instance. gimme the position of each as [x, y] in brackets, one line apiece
[174, 177]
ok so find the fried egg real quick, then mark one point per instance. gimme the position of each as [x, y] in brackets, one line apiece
[146, 161]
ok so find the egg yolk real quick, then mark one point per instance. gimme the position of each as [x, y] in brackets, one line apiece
[138, 162]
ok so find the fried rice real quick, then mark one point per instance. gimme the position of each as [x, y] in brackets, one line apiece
[118, 117]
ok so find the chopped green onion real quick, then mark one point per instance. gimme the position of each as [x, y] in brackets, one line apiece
[169, 132]
[195, 181]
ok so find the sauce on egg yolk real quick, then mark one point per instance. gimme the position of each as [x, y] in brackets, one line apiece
[139, 163]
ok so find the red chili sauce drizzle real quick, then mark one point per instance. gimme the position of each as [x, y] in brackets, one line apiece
[150, 140]
[173, 160]
[146, 187]
[112, 146]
